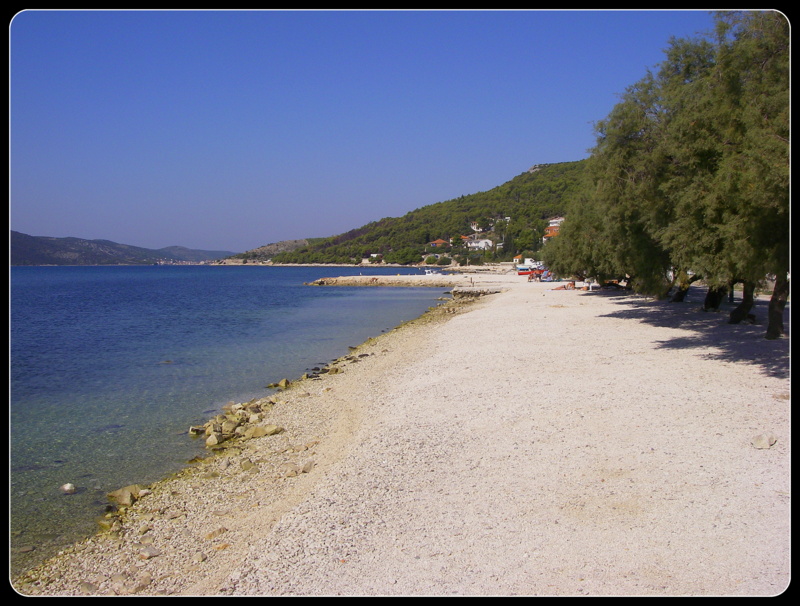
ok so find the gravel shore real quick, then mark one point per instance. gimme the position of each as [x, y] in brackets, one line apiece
[535, 442]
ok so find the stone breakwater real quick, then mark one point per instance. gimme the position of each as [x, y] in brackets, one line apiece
[463, 286]
[434, 281]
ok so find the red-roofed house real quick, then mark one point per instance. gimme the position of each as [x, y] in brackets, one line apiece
[551, 231]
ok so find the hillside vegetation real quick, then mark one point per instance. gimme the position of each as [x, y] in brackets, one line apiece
[270, 250]
[513, 216]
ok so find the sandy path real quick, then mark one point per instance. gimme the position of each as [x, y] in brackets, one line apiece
[552, 443]
[537, 443]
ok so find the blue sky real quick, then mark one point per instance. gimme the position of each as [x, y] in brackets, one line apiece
[228, 130]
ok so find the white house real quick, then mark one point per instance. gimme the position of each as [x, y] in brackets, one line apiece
[479, 244]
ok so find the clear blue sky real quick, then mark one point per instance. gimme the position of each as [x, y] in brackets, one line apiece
[231, 130]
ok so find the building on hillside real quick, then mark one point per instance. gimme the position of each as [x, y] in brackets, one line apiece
[479, 244]
[439, 243]
[551, 231]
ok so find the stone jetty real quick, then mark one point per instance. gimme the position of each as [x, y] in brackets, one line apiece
[462, 285]
[432, 280]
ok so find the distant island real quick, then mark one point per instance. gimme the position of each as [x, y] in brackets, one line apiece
[44, 250]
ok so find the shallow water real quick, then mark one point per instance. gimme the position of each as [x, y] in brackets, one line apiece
[111, 365]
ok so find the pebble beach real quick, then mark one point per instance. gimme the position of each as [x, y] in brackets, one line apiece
[516, 440]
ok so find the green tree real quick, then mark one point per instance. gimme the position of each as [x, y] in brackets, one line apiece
[728, 143]
[611, 223]
[691, 171]
[582, 248]
[404, 256]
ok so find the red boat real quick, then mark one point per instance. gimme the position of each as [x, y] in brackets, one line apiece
[530, 272]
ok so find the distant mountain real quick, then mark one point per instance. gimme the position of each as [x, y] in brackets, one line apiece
[44, 250]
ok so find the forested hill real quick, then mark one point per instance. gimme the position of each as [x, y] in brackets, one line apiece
[512, 215]
[43, 250]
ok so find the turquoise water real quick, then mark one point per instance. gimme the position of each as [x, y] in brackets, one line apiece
[111, 365]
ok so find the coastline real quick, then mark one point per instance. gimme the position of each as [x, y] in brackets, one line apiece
[303, 422]
[473, 456]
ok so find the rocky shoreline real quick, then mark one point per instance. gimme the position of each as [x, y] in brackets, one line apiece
[165, 538]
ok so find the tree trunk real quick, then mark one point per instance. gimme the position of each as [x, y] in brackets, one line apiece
[777, 303]
[680, 293]
[684, 282]
[740, 313]
[714, 298]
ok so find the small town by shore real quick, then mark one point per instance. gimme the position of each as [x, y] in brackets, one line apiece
[518, 440]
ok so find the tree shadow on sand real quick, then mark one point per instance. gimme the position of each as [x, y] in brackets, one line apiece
[710, 331]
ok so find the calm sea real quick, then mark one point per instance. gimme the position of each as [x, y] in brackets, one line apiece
[111, 365]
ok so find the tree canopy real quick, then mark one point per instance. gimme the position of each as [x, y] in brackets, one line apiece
[690, 172]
